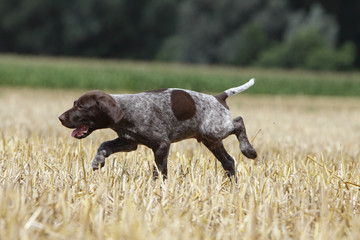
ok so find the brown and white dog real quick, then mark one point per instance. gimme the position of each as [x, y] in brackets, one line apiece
[158, 118]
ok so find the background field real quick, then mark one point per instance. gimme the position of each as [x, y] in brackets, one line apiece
[137, 76]
[48, 190]
[305, 125]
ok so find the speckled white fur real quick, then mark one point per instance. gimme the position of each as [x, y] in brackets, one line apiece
[236, 90]
[149, 120]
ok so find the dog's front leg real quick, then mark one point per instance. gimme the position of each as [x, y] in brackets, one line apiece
[109, 147]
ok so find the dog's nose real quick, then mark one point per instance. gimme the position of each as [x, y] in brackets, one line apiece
[62, 118]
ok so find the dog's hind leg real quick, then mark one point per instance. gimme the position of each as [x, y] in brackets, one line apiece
[217, 148]
[245, 146]
[161, 153]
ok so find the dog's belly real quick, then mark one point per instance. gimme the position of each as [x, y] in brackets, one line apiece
[199, 132]
[183, 131]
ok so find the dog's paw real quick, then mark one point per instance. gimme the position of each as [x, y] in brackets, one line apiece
[248, 151]
[99, 160]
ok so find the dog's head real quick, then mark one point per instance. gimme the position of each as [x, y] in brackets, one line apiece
[93, 110]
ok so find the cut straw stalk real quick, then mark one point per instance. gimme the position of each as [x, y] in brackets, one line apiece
[332, 173]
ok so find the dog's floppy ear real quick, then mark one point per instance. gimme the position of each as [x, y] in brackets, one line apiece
[108, 105]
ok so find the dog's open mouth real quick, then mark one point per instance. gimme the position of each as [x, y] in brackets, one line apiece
[81, 132]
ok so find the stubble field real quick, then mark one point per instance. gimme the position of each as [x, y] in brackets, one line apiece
[304, 184]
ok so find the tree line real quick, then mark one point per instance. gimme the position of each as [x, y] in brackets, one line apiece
[313, 34]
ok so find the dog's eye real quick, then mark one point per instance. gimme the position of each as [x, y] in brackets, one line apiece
[80, 107]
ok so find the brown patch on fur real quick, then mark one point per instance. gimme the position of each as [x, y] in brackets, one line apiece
[182, 105]
[222, 99]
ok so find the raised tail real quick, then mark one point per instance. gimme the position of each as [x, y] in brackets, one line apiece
[236, 90]
[232, 91]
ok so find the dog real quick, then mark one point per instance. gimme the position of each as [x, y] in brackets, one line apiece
[158, 118]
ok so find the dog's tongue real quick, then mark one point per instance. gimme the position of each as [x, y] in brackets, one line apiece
[78, 132]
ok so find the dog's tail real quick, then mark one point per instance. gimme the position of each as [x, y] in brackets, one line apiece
[236, 90]
[232, 91]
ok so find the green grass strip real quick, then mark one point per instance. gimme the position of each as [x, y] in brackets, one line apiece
[117, 75]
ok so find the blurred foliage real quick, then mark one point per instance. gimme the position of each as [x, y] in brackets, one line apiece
[102, 28]
[228, 31]
[275, 33]
[245, 46]
[329, 58]
[310, 42]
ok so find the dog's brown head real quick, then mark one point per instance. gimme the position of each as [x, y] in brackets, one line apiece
[93, 110]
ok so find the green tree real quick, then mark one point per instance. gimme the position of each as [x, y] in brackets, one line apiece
[103, 28]
[309, 42]
[245, 46]
[228, 31]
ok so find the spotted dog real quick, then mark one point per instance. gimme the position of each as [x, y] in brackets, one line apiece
[158, 118]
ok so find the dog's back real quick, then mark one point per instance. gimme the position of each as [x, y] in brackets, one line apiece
[176, 114]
